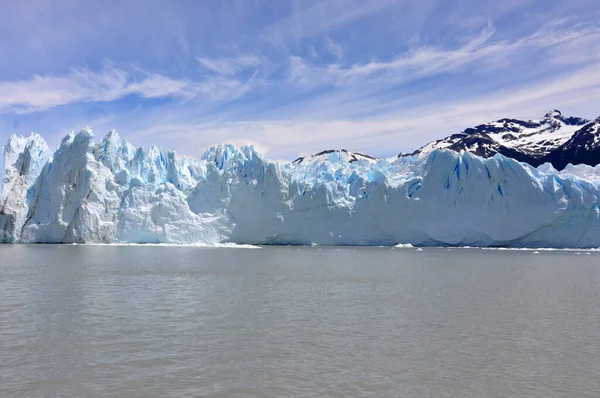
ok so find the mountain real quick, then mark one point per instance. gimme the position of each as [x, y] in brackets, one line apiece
[333, 155]
[549, 139]
[582, 148]
[108, 191]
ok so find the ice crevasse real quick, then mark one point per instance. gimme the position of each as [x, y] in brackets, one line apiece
[109, 191]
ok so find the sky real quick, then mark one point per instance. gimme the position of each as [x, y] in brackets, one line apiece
[292, 77]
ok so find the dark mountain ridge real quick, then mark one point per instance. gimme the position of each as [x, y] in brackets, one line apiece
[555, 139]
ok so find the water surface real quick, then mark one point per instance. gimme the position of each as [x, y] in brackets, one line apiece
[104, 321]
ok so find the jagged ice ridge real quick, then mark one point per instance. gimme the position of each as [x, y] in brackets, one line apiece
[110, 192]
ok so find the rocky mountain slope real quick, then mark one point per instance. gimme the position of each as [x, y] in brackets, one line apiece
[555, 139]
[333, 155]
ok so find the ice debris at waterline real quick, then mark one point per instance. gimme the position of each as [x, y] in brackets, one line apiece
[110, 191]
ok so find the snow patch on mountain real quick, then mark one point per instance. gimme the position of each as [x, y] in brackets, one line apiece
[533, 141]
[333, 155]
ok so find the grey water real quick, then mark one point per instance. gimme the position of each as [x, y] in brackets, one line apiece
[106, 321]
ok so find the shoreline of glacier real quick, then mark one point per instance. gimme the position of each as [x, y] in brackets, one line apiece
[108, 191]
[581, 250]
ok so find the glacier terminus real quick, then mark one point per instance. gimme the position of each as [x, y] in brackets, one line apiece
[108, 191]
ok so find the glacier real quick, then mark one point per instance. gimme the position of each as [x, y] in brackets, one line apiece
[109, 191]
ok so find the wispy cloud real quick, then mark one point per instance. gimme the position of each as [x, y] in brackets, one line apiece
[334, 49]
[221, 88]
[388, 123]
[574, 45]
[84, 85]
[392, 132]
[320, 17]
[418, 62]
[229, 66]
[373, 75]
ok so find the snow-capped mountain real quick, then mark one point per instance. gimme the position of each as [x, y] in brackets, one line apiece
[108, 191]
[582, 148]
[533, 141]
[333, 155]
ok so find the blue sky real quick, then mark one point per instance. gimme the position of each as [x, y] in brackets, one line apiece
[293, 76]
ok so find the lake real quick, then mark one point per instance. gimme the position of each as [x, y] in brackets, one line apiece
[131, 321]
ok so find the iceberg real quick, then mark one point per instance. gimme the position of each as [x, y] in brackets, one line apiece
[108, 191]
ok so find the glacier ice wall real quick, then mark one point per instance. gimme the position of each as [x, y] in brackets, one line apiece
[21, 162]
[109, 191]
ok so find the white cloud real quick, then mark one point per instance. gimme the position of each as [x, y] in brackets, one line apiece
[334, 49]
[390, 133]
[84, 85]
[564, 44]
[313, 53]
[220, 88]
[419, 62]
[382, 106]
[320, 17]
[155, 85]
[229, 66]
